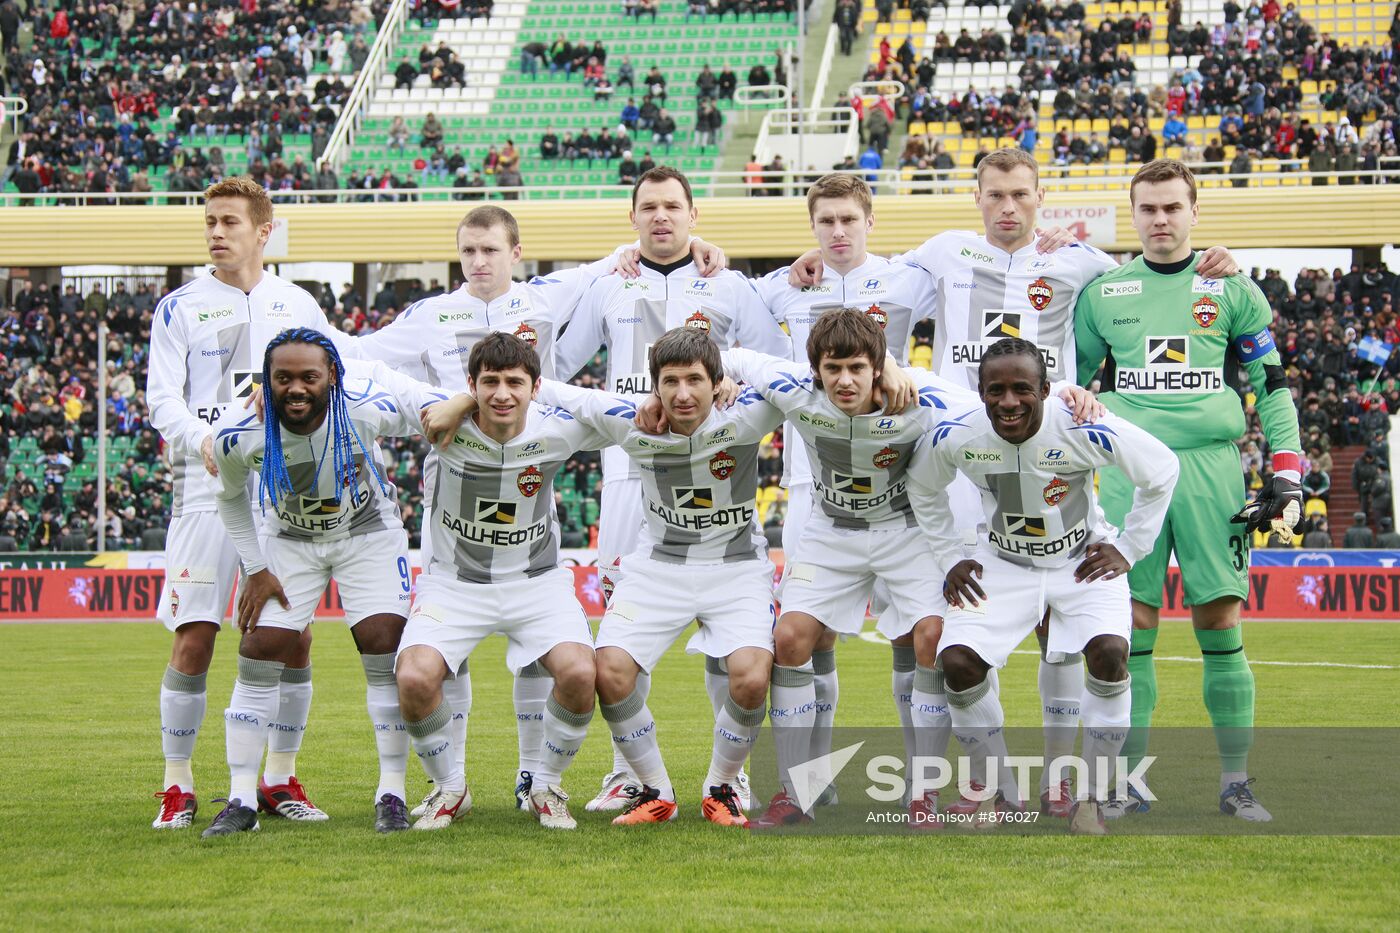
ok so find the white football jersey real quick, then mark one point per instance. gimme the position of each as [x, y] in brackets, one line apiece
[1038, 496]
[629, 315]
[985, 294]
[207, 344]
[322, 507]
[860, 462]
[433, 338]
[699, 490]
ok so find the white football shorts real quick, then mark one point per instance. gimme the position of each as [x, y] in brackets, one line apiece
[454, 616]
[201, 568]
[371, 571]
[834, 572]
[1016, 600]
[656, 602]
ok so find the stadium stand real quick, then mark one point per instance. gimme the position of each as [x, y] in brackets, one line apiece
[155, 96]
[1263, 90]
[525, 81]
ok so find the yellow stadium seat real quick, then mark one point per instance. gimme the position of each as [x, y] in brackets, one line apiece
[1313, 508]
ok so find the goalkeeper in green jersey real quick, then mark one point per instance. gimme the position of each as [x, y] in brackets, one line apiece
[1172, 344]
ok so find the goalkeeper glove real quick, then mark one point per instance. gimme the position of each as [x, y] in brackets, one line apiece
[1279, 505]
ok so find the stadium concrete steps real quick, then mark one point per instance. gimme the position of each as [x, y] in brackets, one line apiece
[1342, 501]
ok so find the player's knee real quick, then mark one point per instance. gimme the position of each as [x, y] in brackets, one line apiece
[419, 678]
[576, 676]
[927, 632]
[827, 640]
[748, 685]
[963, 669]
[616, 675]
[1106, 658]
[378, 634]
[193, 648]
[795, 637]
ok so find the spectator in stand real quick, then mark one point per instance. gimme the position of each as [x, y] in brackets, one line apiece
[1359, 534]
[549, 144]
[1316, 484]
[707, 83]
[630, 114]
[1388, 538]
[532, 56]
[663, 130]
[432, 132]
[1318, 536]
[1174, 131]
[707, 123]
[625, 74]
[728, 82]
[627, 173]
[404, 75]
[398, 134]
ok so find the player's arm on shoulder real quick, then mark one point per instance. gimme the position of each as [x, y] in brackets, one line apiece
[931, 470]
[399, 342]
[586, 331]
[1151, 467]
[233, 449]
[756, 327]
[166, 374]
[758, 369]
[1090, 347]
[611, 414]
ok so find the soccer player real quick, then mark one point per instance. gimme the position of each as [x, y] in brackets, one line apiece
[1175, 339]
[327, 513]
[207, 343]
[896, 296]
[629, 316]
[495, 568]
[1045, 549]
[1011, 280]
[432, 340]
[700, 557]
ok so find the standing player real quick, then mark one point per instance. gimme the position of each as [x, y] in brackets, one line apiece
[328, 513]
[207, 343]
[432, 339]
[896, 296]
[495, 568]
[1045, 550]
[1175, 340]
[629, 316]
[699, 557]
[1004, 282]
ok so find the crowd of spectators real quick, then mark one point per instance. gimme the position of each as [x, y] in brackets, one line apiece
[99, 76]
[1343, 400]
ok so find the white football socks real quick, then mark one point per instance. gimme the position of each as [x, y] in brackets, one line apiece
[289, 727]
[183, 698]
[634, 734]
[563, 734]
[432, 743]
[250, 711]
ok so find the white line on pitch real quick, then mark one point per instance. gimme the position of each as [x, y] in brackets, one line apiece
[875, 638]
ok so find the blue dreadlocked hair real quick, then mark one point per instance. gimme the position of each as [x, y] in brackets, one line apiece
[342, 438]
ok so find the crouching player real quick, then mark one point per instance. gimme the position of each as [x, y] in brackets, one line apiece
[495, 568]
[1046, 547]
[700, 557]
[328, 512]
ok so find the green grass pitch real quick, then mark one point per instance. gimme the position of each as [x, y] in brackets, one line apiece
[82, 756]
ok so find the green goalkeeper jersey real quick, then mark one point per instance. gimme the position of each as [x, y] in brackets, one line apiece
[1172, 344]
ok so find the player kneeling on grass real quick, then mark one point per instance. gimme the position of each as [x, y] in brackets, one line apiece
[328, 512]
[495, 568]
[1046, 547]
[700, 557]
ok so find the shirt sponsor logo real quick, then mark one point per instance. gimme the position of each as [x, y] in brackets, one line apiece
[1205, 311]
[886, 427]
[637, 284]
[222, 351]
[695, 498]
[633, 384]
[859, 485]
[970, 354]
[855, 493]
[218, 314]
[817, 421]
[277, 311]
[816, 289]
[515, 303]
[495, 512]
[999, 324]
[700, 285]
[1121, 289]
[878, 314]
[885, 458]
[1052, 457]
[724, 435]
[472, 443]
[870, 284]
[722, 465]
[532, 449]
[1039, 294]
[700, 520]
[321, 514]
[1200, 286]
[981, 455]
[529, 482]
[1168, 351]
[1164, 381]
[969, 285]
[698, 321]
[975, 256]
[243, 381]
[1054, 491]
[454, 317]
[494, 532]
[528, 334]
[1025, 538]
[1040, 265]
[1126, 321]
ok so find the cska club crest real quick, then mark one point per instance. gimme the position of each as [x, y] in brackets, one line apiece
[1039, 293]
[722, 465]
[529, 481]
[174, 604]
[699, 321]
[886, 458]
[1055, 490]
[879, 315]
[1205, 311]
[527, 333]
